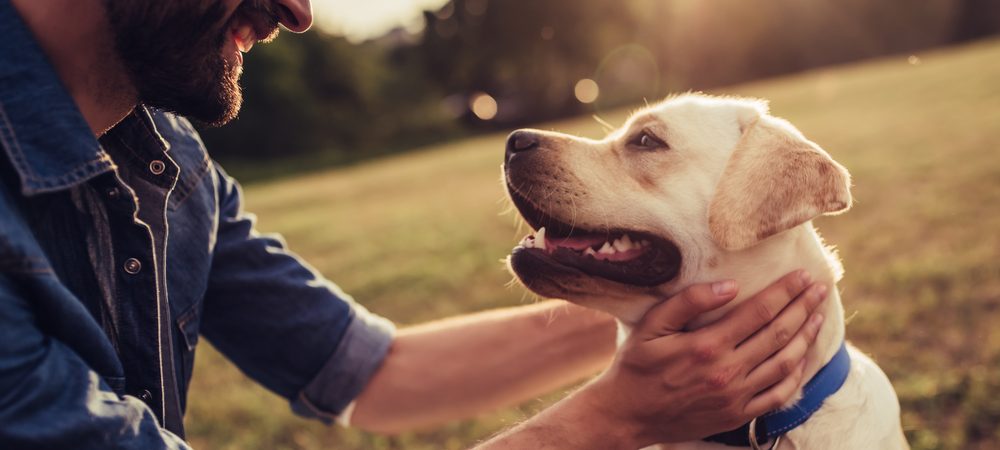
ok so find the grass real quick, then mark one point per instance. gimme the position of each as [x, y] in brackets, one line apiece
[418, 237]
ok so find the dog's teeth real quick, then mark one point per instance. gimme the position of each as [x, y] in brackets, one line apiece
[540, 238]
[624, 244]
[589, 252]
[645, 243]
[607, 249]
[627, 241]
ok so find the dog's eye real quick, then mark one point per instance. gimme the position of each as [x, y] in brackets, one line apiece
[648, 141]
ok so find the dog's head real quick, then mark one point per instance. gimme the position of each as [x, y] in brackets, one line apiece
[625, 220]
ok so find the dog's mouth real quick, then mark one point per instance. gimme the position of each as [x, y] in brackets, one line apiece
[625, 256]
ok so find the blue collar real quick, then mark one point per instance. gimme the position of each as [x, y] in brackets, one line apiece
[42, 131]
[825, 383]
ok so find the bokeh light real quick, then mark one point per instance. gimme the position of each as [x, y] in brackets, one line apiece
[484, 106]
[586, 90]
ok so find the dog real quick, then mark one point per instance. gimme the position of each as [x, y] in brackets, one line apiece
[691, 190]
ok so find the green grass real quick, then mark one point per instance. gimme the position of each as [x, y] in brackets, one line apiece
[419, 236]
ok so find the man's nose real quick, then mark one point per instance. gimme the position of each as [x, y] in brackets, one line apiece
[295, 15]
[522, 141]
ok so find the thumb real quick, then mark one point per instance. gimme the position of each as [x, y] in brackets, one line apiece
[670, 316]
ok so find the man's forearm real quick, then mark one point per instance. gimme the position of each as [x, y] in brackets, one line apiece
[460, 367]
[577, 422]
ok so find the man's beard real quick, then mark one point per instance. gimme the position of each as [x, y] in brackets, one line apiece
[173, 53]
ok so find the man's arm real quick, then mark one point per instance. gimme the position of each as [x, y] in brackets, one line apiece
[459, 367]
[667, 385]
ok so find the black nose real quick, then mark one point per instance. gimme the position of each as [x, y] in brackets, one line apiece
[521, 141]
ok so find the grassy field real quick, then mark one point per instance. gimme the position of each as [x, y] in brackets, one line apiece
[418, 237]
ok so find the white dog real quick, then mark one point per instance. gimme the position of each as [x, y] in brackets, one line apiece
[698, 189]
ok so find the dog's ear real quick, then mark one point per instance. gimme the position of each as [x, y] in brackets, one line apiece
[774, 180]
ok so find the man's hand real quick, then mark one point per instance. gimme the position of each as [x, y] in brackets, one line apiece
[667, 385]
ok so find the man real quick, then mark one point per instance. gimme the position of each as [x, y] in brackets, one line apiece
[121, 243]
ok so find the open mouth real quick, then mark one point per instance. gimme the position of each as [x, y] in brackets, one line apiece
[625, 256]
[249, 25]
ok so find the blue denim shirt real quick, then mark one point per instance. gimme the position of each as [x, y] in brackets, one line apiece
[117, 254]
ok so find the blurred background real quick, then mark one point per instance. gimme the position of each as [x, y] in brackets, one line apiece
[374, 143]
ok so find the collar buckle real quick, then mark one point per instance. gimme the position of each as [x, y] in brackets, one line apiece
[752, 437]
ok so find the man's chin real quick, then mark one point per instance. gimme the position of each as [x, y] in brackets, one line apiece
[226, 113]
[214, 109]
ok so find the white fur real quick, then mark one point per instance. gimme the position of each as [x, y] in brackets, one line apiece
[668, 193]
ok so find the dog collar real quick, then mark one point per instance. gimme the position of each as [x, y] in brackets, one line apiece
[827, 381]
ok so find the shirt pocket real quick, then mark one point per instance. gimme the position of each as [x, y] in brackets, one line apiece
[194, 166]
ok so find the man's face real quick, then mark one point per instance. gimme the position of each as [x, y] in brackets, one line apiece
[185, 56]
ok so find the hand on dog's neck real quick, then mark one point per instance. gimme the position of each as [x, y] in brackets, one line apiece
[757, 267]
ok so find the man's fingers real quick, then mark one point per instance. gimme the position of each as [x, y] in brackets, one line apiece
[670, 316]
[757, 311]
[776, 395]
[783, 364]
[780, 331]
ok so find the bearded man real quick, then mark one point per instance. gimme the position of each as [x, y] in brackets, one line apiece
[122, 242]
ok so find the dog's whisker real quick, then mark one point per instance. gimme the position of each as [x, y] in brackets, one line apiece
[604, 123]
[572, 211]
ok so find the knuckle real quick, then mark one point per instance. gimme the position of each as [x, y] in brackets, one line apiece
[793, 286]
[786, 367]
[705, 351]
[782, 336]
[762, 312]
[721, 378]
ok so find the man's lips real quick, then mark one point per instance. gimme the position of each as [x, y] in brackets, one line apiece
[243, 36]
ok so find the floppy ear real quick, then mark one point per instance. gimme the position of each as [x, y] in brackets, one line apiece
[774, 180]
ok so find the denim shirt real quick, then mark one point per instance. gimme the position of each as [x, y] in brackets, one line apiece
[117, 254]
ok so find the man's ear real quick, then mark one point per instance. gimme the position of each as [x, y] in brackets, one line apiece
[775, 180]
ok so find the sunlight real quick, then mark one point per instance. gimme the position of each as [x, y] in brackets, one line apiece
[359, 21]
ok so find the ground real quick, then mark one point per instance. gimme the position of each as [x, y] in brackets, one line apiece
[420, 236]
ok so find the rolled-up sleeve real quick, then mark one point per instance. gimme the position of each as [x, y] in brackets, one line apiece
[281, 322]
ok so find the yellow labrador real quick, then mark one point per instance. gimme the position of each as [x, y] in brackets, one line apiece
[698, 189]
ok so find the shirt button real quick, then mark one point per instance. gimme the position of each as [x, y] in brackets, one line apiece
[146, 396]
[133, 266]
[157, 167]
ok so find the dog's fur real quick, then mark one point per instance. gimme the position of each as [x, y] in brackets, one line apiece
[734, 189]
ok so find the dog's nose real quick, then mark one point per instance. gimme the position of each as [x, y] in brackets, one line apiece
[521, 140]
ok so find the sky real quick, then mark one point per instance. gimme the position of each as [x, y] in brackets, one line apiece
[363, 19]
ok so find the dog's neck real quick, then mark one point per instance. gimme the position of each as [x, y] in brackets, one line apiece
[759, 266]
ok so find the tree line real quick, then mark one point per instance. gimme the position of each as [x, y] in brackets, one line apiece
[320, 97]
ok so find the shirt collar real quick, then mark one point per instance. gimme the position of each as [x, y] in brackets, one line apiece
[42, 131]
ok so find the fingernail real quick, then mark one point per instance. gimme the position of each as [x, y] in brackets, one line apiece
[805, 277]
[816, 319]
[819, 292]
[721, 288]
